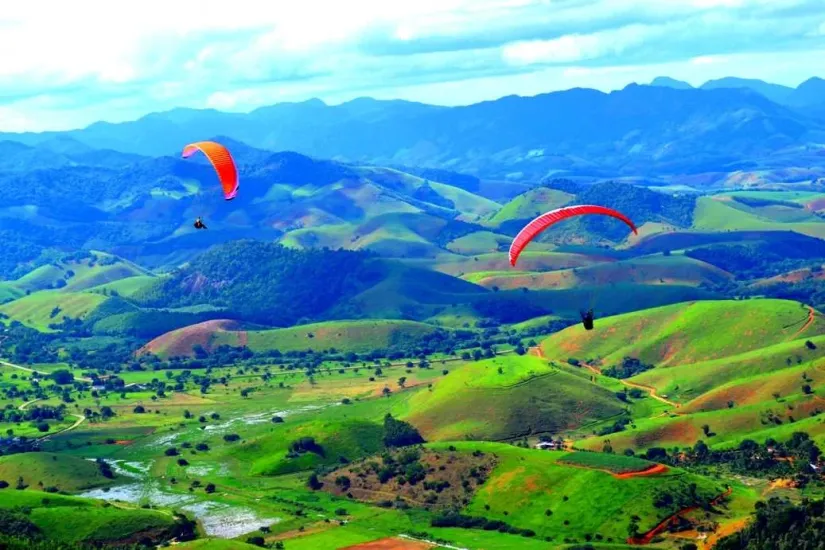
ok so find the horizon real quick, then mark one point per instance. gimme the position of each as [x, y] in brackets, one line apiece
[695, 86]
[129, 62]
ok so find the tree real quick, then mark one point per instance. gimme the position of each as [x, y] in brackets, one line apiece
[139, 409]
[398, 433]
[402, 381]
[62, 377]
[277, 419]
[210, 488]
[807, 389]
[386, 391]
[343, 482]
[313, 482]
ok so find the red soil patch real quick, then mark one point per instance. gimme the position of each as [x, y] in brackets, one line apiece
[647, 537]
[182, 340]
[654, 470]
[124, 442]
[679, 431]
[391, 543]
[808, 322]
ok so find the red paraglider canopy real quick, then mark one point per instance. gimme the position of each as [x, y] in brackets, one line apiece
[529, 232]
[221, 161]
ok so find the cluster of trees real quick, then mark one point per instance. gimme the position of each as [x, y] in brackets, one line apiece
[773, 458]
[32, 414]
[780, 525]
[264, 282]
[630, 366]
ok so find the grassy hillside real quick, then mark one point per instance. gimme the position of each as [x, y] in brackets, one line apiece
[357, 336]
[526, 483]
[40, 470]
[678, 334]
[531, 204]
[656, 270]
[70, 519]
[722, 213]
[40, 309]
[344, 336]
[80, 272]
[507, 397]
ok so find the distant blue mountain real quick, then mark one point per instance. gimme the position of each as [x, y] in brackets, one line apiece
[637, 131]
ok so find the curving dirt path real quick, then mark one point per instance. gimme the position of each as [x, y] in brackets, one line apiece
[649, 389]
[645, 538]
[653, 470]
[808, 322]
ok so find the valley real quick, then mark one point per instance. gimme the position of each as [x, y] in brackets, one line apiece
[346, 358]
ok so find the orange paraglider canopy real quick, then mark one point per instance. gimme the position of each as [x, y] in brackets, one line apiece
[221, 161]
[529, 232]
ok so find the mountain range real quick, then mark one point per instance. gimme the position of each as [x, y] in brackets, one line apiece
[662, 130]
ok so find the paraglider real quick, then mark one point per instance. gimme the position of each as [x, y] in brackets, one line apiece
[532, 229]
[224, 165]
[587, 319]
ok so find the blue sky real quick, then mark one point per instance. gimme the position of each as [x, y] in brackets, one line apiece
[68, 64]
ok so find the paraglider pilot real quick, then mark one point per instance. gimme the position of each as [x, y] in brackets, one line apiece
[587, 319]
[199, 224]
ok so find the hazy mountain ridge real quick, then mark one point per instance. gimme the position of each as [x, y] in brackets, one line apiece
[652, 130]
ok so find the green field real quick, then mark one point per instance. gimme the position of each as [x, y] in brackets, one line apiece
[617, 464]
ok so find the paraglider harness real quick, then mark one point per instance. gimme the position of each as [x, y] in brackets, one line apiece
[587, 319]
[199, 224]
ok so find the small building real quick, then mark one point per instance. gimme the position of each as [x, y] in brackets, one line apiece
[548, 445]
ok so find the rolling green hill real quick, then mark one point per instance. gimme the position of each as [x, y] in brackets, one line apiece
[73, 520]
[527, 483]
[677, 334]
[344, 336]
[41, 309]
[650, 270]
[39, 470]
[507, 397]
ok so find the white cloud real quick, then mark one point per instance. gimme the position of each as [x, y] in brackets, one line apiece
[577, 47]
[71, 63]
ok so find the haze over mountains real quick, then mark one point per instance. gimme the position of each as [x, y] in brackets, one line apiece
[659, 130]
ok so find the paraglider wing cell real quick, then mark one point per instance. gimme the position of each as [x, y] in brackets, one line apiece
[221, 161]
[529, 232]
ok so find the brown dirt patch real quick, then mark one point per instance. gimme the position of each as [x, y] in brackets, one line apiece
[124, 442]
[450, 478]
[181, 341]
[391, 543]
[724, 530]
